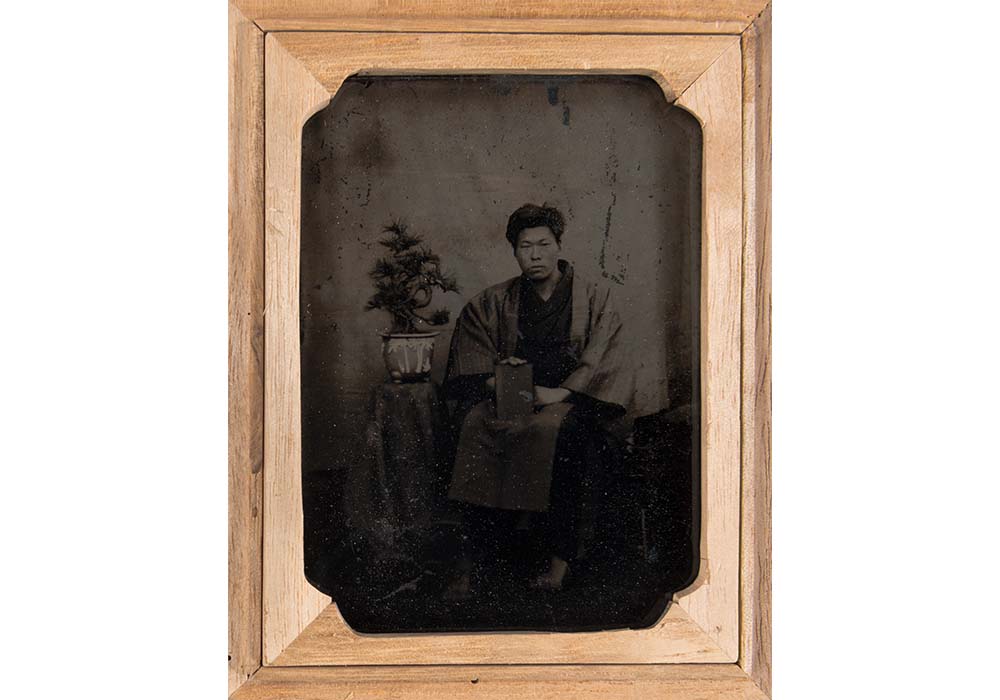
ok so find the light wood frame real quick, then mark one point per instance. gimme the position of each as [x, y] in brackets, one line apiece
[286, 60]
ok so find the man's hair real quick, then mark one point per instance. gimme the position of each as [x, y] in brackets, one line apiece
[532, 215]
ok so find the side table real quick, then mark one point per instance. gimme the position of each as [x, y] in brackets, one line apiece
[407, 437]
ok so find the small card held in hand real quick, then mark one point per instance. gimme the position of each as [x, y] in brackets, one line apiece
[515, 391]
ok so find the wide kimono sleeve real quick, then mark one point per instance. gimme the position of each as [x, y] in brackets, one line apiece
[604, 370]
[474, 344]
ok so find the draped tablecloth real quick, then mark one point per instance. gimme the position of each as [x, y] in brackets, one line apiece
[399, 483]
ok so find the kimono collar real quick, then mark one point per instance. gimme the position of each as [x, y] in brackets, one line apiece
[578, 322]
[561, 289]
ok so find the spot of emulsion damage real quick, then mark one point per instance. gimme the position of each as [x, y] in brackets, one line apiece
[616, 277]
[611, 173]
[620, 276]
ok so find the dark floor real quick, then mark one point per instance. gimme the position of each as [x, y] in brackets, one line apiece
[639, 546]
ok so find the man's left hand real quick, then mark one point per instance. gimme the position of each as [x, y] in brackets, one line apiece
[545, 395]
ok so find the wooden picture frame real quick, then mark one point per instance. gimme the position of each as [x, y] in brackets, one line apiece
[286, 61]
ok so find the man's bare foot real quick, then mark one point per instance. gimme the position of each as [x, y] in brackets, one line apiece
[552, 580]
[460, 588]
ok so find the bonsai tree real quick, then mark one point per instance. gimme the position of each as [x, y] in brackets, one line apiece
[405, 280]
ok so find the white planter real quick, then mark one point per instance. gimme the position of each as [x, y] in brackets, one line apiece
[408, 355]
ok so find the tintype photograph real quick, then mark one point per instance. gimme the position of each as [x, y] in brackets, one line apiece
[499, 317]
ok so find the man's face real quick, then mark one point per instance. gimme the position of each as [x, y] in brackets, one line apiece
[537, 253]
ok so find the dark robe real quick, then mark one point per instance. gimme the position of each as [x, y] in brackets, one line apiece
[574, 341]
[543, 330]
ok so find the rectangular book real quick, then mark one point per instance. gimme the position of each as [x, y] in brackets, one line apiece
[515, 391]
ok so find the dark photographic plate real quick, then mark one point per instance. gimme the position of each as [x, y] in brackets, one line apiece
[448, 159]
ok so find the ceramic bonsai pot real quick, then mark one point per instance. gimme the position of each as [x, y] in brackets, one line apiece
[408, 355]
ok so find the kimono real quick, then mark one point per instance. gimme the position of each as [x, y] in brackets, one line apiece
[573, 340]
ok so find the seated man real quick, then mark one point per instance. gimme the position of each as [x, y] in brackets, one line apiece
[570, 333]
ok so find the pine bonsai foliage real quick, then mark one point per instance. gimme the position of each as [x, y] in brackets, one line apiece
[405, 280]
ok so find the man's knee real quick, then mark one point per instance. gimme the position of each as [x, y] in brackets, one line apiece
[573, 424]
[544, 421]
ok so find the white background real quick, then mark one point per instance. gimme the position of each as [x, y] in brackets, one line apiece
[113, 433]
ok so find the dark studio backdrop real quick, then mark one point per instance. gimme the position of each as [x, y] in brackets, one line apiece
[453, 158]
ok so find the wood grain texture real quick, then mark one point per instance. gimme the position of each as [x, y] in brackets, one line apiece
[684, 682]
[641, 16]
[715, 99]
[292, 95]
[674, 639]
[306, 69]
[755, 599]
[246, 336]
[674, 62]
